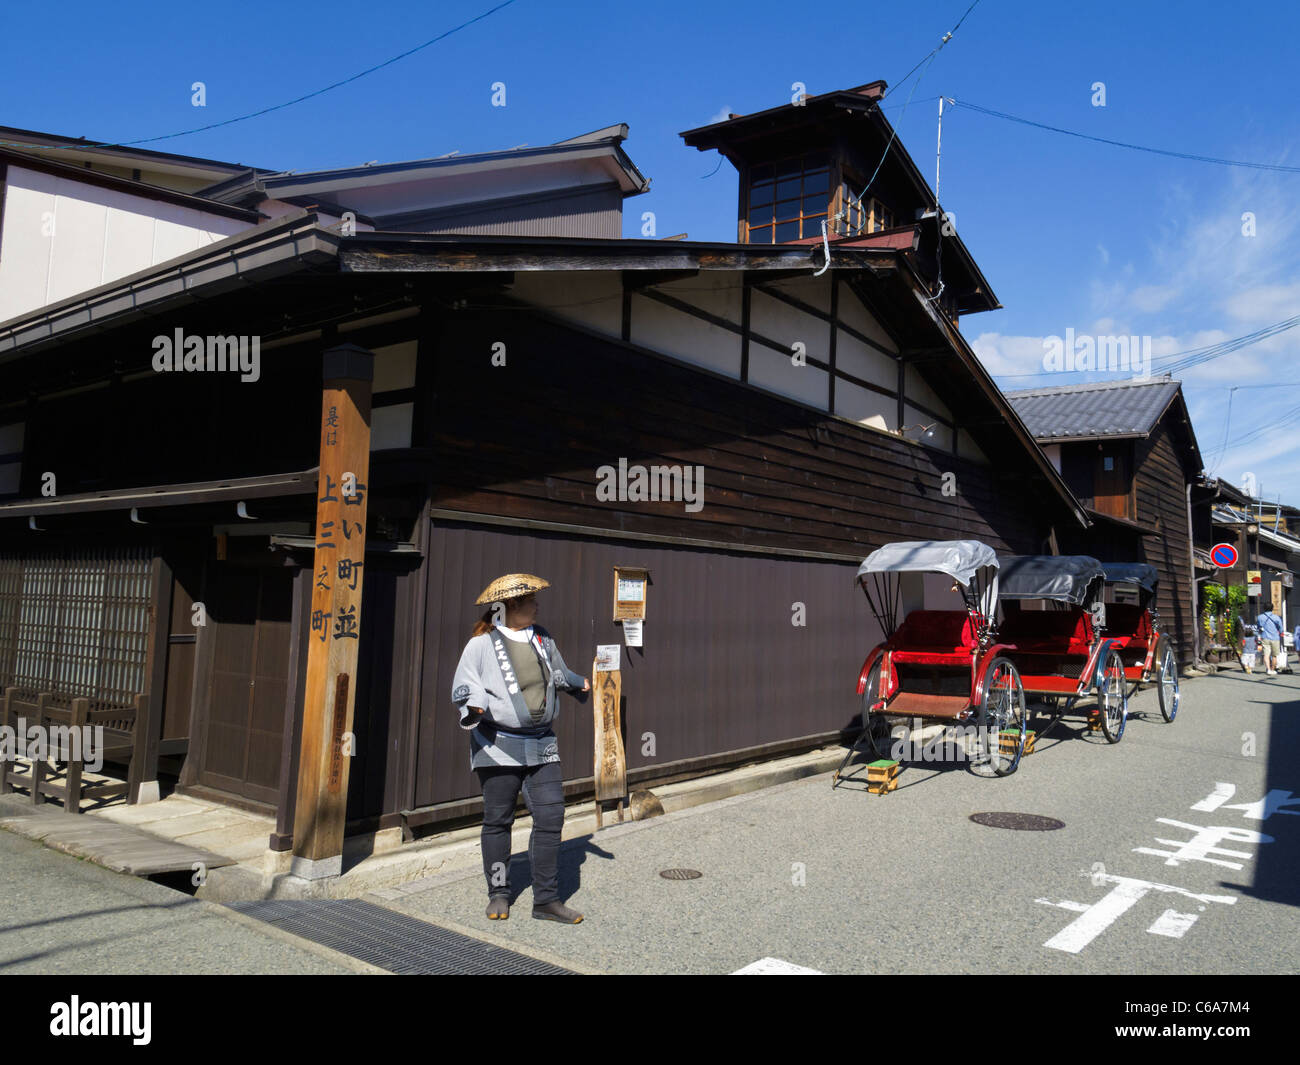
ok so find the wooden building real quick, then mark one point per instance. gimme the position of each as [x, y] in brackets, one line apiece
[823, 412]
[1129, 454]
[1264, 535]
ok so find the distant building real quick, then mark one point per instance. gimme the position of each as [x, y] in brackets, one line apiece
[1129, 454]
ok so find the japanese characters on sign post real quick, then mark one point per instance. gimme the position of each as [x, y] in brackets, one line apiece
[338, 571]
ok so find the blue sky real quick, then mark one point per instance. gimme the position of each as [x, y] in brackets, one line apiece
[1071, 234]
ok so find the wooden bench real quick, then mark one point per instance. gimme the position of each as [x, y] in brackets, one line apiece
[52, 712]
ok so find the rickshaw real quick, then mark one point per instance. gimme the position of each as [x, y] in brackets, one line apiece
[1061, 649]
[1147, 652]
[939, 665]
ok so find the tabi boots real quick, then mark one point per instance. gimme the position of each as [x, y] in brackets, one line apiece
[556, 911]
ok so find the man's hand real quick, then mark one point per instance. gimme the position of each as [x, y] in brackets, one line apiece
[586, 684]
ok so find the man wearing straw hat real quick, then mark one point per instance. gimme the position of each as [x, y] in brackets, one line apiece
[506, 689]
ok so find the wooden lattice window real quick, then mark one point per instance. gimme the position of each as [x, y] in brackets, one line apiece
[859, 217]
[76, 622]
[788, 199]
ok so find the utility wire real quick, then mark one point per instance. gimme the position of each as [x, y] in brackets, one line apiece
[1124, 144]
[1184, 360]
[926, 61]
[274, 107]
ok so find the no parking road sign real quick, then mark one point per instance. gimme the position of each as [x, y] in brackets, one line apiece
[1223, 555]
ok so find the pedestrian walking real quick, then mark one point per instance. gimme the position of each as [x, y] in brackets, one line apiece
[1269, 627]
[506, 689]
[1248, 652]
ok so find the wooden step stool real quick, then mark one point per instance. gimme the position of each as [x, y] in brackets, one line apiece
[882, 776]
[1007, 740]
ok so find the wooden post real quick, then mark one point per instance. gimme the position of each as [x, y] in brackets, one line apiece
[76, 722]
[335, 622]
[5, 709]
[149, 715]
[611, 763]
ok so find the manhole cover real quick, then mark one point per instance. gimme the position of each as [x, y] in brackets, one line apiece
[680, 874]
[1018, 822]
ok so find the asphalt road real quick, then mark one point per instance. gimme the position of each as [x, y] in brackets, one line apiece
[61, 915]
[840, 881]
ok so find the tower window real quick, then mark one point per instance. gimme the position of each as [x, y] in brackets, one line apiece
[788, 199]
[861, 216]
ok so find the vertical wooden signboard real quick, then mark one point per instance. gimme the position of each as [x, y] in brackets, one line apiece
[334, 636]
[611, 762]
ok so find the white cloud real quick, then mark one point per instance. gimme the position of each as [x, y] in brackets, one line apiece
[1010, 355]
[720, 116]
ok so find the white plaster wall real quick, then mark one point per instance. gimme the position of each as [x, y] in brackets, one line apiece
[852, 312]
[864, 406]
[942, 438]
[785, 324]
[686, 337]
[594, 300]
[856, 358]
[60, 237]
[774, 371]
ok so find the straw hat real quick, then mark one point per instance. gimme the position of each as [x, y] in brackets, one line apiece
[511, 586]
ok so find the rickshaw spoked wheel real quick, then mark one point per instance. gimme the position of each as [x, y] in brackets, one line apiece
[1168, 690]
[1112, 698]
[874, 725]
[1002, 709]
[875, 730]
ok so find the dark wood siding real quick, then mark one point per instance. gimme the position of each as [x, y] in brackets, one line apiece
[1162, 503]
[723, 667]
[526, 440]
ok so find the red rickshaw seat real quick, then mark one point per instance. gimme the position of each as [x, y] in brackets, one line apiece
[1047, 631]
[934, 632]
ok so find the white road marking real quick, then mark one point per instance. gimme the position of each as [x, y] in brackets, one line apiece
[1275, 802]
[1221, 794]
[1173, 924]
[1127, 892]
[1064, 904]
[776, 967]
[1202, 844]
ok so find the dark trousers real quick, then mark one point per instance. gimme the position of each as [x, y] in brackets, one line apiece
[545, 798]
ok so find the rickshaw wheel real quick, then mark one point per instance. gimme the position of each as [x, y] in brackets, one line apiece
[1112, 698]
[1168, 690]
[1002, 709]
[877, 728]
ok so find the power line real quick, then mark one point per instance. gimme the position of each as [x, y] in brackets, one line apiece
[1185, 360]
[1134, 147]
[927, 60]
[275, 107]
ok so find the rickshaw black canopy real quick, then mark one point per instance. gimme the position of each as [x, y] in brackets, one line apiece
[1137, 573]
[1064, 578]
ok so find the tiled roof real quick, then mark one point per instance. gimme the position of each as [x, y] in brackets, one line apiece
[1112, 408]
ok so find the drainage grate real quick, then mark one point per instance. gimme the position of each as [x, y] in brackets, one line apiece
[391, 940]
[1018, 822]
[680, 874]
